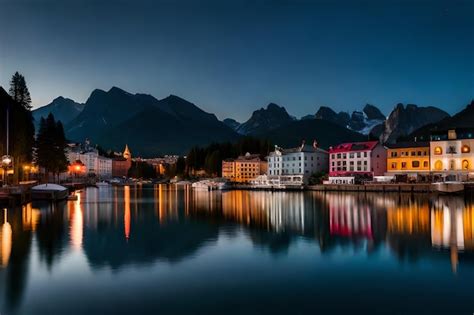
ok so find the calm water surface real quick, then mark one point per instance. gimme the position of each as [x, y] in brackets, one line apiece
[169, 250]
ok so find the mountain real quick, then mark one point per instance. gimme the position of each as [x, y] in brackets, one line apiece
[306, 117]
[63, 109]
[326, 113]
[150, 126]
[373, 112]
[361, 121]
[463, 119]
[264, 120]
[231, 123]
[325, 132]
[403, 120]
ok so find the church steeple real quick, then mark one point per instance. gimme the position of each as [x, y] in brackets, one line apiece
[126, 153]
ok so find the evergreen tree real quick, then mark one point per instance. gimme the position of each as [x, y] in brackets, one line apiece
[19, 91]
[21, 133]
[51, 145]
[180, 166]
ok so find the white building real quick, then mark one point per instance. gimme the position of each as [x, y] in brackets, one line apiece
[452, 155]
[96, 164]
[297, 164]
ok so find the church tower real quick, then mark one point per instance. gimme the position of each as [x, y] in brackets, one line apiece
[126, 153]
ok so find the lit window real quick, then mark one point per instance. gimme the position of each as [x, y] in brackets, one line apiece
[465, 165]
[438, 165]
[415, 164]
[465, 149]
[438, 151]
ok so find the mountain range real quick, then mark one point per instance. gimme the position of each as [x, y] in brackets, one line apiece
[173, 125]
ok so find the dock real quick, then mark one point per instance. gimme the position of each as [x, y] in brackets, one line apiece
[387, 187]
[15, 195]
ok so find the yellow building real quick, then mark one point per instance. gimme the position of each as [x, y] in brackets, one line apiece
[408, 158]
[244, 168]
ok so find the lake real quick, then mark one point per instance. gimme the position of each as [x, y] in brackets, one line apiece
[170, 250]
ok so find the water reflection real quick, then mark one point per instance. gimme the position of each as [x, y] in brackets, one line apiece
[116, 228]
[5, 240]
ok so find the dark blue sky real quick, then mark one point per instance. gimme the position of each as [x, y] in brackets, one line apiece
[232, 57]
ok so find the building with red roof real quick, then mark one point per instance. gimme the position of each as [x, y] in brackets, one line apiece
[358, 158]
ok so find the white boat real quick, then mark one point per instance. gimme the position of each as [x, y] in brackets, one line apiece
[49, 192]
[102, 184]
[449, 187]
[209, 184]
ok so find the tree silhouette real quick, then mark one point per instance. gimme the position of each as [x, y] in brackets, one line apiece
[19, 91]
[50, 146]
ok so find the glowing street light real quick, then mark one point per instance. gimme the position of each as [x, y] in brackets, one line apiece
[7, 163]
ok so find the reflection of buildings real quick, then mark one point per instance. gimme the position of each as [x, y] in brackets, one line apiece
[349, 217]
[277, 211]
[5, 240]
[452, 227]
[76, 222]
[409, 218]
[126, 215]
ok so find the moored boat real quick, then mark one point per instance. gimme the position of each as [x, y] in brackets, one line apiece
[449, 187]
[49, 191]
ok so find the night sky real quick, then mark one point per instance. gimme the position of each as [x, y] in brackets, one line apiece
[232, 57]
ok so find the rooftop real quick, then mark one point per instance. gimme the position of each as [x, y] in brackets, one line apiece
[354, 146]
[408, 144]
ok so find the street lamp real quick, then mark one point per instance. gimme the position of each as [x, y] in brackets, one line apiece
[7, 162]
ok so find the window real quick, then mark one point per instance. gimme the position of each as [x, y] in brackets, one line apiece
[452, 165]
[438, 165]
[394, 154]
[358, 154]
[465, 149]
[425, 164]
[415, 164]
[413, 153]
[404, 164]
[465, 165]
[365, 154]
[394, 165]
[438, 151]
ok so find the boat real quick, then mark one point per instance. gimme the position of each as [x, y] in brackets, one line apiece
[49, 191]
[449, 187]
[102, 184]
[209, 184]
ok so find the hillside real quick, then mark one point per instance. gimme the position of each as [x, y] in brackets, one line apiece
[325, 132]
[168, 126]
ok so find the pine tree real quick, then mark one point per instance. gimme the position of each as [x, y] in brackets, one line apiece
[19, 91]
[51, 145]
